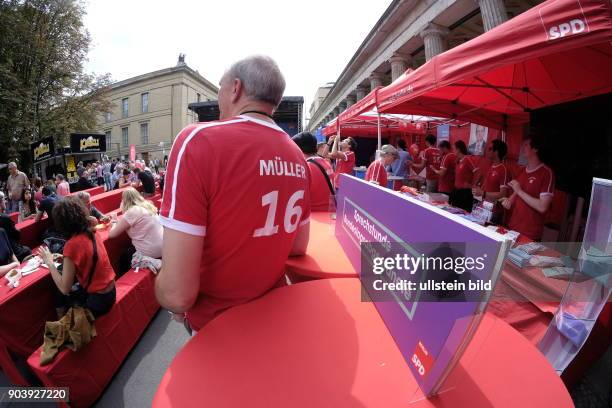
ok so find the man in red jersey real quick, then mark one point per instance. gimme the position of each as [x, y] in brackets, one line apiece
[494, 186]
[344, 153]
[431, 161]
[532, 193]
[235, 201]
[377, 172]
[446, 181]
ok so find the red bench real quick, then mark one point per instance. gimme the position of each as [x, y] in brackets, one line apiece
[14, 217]
[94, 191]
[30, 231]
[88, 371]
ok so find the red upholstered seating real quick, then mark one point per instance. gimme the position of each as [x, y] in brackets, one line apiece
[94, 191]
[88, 371]
[30, 231]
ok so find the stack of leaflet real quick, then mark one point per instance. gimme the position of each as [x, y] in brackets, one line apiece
[518, 257]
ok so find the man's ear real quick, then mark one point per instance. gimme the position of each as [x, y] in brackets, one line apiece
[236, 90]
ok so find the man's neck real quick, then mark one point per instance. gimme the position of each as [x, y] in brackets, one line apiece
[495, 162]
[253, 108]
[533, 163]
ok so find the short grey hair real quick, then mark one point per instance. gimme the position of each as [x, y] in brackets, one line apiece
[261, 78]
[12, 164]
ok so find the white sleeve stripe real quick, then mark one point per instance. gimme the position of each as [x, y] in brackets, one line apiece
[304, 222]
[180, 155]
[181, 226]
[546, 194]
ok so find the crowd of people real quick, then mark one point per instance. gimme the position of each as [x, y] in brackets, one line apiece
[215, 223]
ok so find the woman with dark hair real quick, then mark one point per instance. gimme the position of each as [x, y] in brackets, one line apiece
[85, 260]
[321, 188]
[124, 181]
[38, 186]
[465, 168]
[27, 206]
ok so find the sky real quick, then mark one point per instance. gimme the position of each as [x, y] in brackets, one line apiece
[311, 40]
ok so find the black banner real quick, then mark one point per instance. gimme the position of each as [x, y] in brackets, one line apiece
[42, 149]
[87, 142]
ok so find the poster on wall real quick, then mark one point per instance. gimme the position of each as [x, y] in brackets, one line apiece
[429, 273]
[87, 142]
[443, 133]
[42, 149]
[478, 139]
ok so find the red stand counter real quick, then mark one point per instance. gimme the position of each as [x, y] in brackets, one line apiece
[316, 344]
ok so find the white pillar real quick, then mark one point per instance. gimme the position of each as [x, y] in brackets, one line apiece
[434, 37]
[350, 100]
[399, 64]
[361, 92]
[375, 80]
[493, 13]
[341, 107]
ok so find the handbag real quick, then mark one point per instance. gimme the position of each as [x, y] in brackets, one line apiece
[55, 245]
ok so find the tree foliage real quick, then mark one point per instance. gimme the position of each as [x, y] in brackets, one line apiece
[44, 90]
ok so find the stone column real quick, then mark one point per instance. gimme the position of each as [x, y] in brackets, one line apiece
[341, 107]
[375, 80]
[361, 92]
[493, 13]
[350, 100]
[434, 37]
[337, 111]
[399, 64]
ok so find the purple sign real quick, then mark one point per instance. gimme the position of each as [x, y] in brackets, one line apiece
[431, 334]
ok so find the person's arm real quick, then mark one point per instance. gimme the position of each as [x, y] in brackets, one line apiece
[4, 269]
[63, 280]
[178, 282]
[301, 241]
[540, 204]
[497, 195]
[118, 227]
[39, 215]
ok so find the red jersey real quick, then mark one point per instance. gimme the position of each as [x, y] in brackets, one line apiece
[319, 188]
[537, 183]
[377, 173]
[79, 249]
[464, 172]
[446, 183]
[243, 184]
[496, 178]
[432, 157]
[344, 165]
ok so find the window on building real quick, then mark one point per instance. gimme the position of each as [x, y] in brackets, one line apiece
[107, 117]
[144, 133]
[124, 107]
[144, 99]
[125, 139]
[109, 141]
[199, 97]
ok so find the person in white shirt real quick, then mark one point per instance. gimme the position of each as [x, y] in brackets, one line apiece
[141, 223]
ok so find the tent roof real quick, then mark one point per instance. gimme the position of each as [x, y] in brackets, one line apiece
[556, 52]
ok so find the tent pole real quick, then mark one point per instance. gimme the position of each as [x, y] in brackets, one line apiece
[378, 128]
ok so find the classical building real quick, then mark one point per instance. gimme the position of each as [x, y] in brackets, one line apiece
[409, 33]
[318, 98]
[149, 110]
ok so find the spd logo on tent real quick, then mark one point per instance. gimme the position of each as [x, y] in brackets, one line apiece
[571, 23]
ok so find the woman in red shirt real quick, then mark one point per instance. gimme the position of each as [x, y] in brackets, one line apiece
[465, 168]
[85, 261]
[377, 172]
[344, 152]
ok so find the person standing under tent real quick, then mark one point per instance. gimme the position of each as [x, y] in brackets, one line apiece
[430, 160]
[219, 222]
[446, 173]
[344, 153]
[465, 168]
[494, 185]
[377, 172]
[532, 192]
[399, 167]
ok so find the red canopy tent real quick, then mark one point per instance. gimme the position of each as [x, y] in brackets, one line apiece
[367, 126]
[556, 52]
[367, 103]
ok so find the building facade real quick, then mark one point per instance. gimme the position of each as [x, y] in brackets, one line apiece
[409, 33]
[318, 98]
[149, 110]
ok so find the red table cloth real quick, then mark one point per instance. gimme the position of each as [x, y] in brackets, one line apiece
[315, 344]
